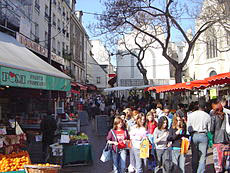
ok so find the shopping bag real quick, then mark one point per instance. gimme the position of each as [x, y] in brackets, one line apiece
[210, 139]
[144, 149]
[106, 153]
[184, 146]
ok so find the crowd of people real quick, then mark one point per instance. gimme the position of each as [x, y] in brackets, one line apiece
[166, 129]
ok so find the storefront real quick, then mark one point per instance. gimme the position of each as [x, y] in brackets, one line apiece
[26, 81]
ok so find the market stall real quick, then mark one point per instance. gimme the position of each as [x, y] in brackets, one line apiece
[73, 147]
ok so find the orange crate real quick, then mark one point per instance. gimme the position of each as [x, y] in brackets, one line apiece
[42, 169]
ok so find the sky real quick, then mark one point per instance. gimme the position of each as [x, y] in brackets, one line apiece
[89, 6]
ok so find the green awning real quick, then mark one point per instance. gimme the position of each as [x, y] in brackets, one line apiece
[19, 67]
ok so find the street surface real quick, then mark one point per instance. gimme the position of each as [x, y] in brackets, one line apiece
[98, 143]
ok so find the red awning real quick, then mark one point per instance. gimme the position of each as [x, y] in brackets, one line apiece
[223, 78]
[197, 84]
[75, 91]
[82, 87]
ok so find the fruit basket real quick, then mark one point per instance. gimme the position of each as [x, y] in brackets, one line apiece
[44, 168]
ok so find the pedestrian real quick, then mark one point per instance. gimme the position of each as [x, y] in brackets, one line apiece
[198, 125]
[137, 134]
[131, 124]
[221, 139]
[48, 127]
[160, 136]
[118, 137]
[151, 123]
[168, 114]
[176, 133]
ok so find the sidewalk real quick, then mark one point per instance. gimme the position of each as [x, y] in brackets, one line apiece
[98, 143]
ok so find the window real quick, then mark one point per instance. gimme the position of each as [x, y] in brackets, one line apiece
[58, 48]
[36, 33]
[58, 24]
[98, 80]
[211, 47]
[59, 6]
[54, 2]
[132, 67]
[37, 6]
[212, 73]
[46, 39]
[228, 37]
[46, 12]
[54, 19]
[54, 45]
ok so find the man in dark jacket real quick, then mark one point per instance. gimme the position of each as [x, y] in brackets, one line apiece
[48, 126]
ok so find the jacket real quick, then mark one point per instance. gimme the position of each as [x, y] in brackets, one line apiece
[110, 137]
[218, 125]
[176, 139]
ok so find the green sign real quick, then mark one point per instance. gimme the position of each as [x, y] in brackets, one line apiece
[25, 79]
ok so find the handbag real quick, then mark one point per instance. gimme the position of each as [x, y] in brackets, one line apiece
[106, 153]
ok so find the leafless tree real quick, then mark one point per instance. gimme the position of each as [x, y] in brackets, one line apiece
[127, 15]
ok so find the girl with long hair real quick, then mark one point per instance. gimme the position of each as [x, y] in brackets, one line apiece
[176, 133]
[160, 136]
[118, 138]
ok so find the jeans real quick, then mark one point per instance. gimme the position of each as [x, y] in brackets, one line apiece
[119, 161]
[132, 158]
[199, 146]
[139, 166]
[178, 161]
[161, 156]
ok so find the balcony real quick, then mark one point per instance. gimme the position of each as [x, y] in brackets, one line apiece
[37, 7]
[36, 39]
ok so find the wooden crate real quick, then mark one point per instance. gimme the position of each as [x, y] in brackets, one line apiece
[41, 169]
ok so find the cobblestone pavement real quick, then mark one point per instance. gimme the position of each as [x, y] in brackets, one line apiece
[98, 143]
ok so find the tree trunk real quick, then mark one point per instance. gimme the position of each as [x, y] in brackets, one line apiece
[178, 74]
[146, 82]
[178, 79]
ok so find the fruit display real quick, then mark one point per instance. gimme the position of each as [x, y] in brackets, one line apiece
[79, 138]
[14, 161]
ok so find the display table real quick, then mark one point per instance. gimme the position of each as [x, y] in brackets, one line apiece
[77, 153]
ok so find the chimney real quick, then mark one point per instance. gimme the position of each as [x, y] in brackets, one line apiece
[79, 15]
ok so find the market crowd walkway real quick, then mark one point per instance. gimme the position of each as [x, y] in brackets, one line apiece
[98, 143]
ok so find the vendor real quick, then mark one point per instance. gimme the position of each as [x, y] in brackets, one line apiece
[48, 127]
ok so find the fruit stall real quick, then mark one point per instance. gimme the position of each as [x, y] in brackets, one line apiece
[73, 147]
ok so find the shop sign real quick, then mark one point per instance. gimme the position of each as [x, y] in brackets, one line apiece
[20, 78]
[213, 93]
[38, 48]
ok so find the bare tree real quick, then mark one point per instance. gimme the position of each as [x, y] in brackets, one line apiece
[128, 15]
[136, 44]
